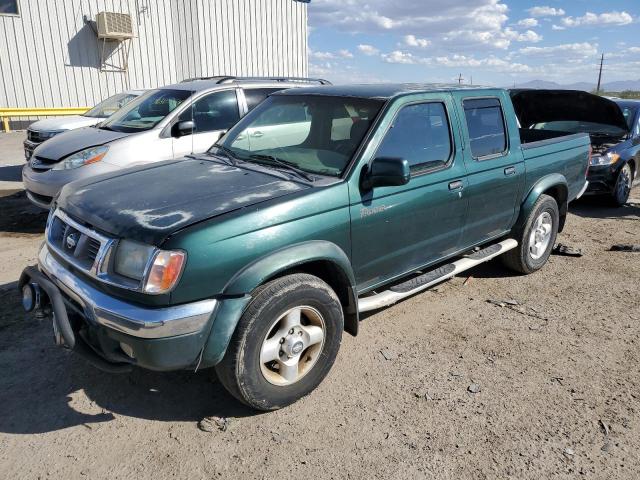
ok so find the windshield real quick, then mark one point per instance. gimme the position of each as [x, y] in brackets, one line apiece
[316, 134]
[629, 114]
[580, 127]
[110, 106]
[146, 111]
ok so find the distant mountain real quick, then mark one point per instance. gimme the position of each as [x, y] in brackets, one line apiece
[619, 86]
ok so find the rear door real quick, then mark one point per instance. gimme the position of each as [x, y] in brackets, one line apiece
[213, 114]
[494, 163]
[398, 229]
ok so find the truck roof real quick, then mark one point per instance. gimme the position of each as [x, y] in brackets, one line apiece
[382, 91]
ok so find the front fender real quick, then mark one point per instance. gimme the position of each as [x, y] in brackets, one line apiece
[554, 184]
[237, 292]
[258, 272]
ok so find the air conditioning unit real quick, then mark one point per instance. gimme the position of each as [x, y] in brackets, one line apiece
[114, 26]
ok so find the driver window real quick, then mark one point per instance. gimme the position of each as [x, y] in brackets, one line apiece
[216, 111]
[421, 135]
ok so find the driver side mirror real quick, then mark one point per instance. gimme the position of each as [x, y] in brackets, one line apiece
[182, 129]
[386, 172]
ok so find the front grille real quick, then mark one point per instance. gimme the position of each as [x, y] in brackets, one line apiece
[78, 244]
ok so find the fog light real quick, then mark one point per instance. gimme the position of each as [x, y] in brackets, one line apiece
[30, 297]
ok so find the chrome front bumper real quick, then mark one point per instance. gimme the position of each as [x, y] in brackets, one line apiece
[140, 322]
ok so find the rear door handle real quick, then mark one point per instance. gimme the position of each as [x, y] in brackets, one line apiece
[510, 171]
[456, 185]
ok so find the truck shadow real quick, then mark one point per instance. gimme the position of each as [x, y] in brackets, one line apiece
[594, 207]
[19, 215]
[44, 388]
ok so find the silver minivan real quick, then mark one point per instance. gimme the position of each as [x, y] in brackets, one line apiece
[162, 124]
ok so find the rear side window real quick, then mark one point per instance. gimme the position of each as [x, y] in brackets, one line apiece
[255, 96]
[485, 123]
[421, 135]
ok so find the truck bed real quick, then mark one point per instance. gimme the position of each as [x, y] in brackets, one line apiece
[548, 151]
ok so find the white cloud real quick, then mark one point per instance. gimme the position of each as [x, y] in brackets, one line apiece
[413, 41]
[528, 23]
[529, 36]
[568, 50]
[633, 50]
[557, 27]
[398, 56]
[330, 55]
[607, 18]
[546, 12]
[368, 50]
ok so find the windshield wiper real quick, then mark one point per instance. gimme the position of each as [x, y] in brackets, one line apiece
[284, 164]
[229, 154]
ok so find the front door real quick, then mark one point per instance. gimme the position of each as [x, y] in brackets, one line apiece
[212, 114]
[398, 229]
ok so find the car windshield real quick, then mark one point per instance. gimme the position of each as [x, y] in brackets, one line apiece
[581, 127]
[146, 111]
[629, 114]
[110, 106]
[313, 133]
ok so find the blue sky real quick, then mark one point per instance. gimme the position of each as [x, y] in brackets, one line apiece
[495, 42]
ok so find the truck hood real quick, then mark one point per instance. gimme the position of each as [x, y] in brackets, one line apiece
[540, 106]
[150, 203]
[73, 141]
[64, 123]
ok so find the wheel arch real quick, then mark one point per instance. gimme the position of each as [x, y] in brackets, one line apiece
[554, 185]
[322, 259]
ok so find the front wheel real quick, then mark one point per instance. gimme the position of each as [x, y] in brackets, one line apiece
[623, 186]
[536, 239]
[284, 344]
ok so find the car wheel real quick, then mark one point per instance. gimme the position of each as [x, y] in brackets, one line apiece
[285, 342]
[623, 186]
[536, 239]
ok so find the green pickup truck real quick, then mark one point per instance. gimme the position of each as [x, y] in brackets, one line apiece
[320, 204]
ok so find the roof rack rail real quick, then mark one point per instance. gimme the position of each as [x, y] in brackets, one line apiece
[231, 79]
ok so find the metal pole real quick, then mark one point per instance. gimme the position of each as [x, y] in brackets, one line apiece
[600, 74]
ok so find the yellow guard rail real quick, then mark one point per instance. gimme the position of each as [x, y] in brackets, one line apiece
[6, 113]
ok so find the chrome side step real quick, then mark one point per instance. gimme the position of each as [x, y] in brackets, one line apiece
[440, 274]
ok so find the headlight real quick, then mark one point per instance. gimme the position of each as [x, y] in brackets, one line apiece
[84, 157]
[132, 259]
[607, 159]
[160, 269]
[48, 134]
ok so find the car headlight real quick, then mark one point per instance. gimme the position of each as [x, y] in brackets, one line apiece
[132, 258]
[44, 135]
[81, 158]
[159, 269]
[606, 159]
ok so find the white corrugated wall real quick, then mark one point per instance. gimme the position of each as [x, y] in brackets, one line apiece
[49, 57]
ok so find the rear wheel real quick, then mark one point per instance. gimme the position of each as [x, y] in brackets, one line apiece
[536, 239]
[623, 186]
[284, 344]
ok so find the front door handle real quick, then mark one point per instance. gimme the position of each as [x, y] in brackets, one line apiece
[456, 185]
[510, 171]
[257, 134]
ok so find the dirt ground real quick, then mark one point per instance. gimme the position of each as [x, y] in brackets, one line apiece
[558, 378]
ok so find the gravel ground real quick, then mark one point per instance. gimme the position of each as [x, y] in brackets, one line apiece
[556, 382]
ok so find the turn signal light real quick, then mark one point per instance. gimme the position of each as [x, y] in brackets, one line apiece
[165, 271]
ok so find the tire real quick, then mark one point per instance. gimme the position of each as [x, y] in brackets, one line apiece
[624, 183]
[271, 317]
[530, 255]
